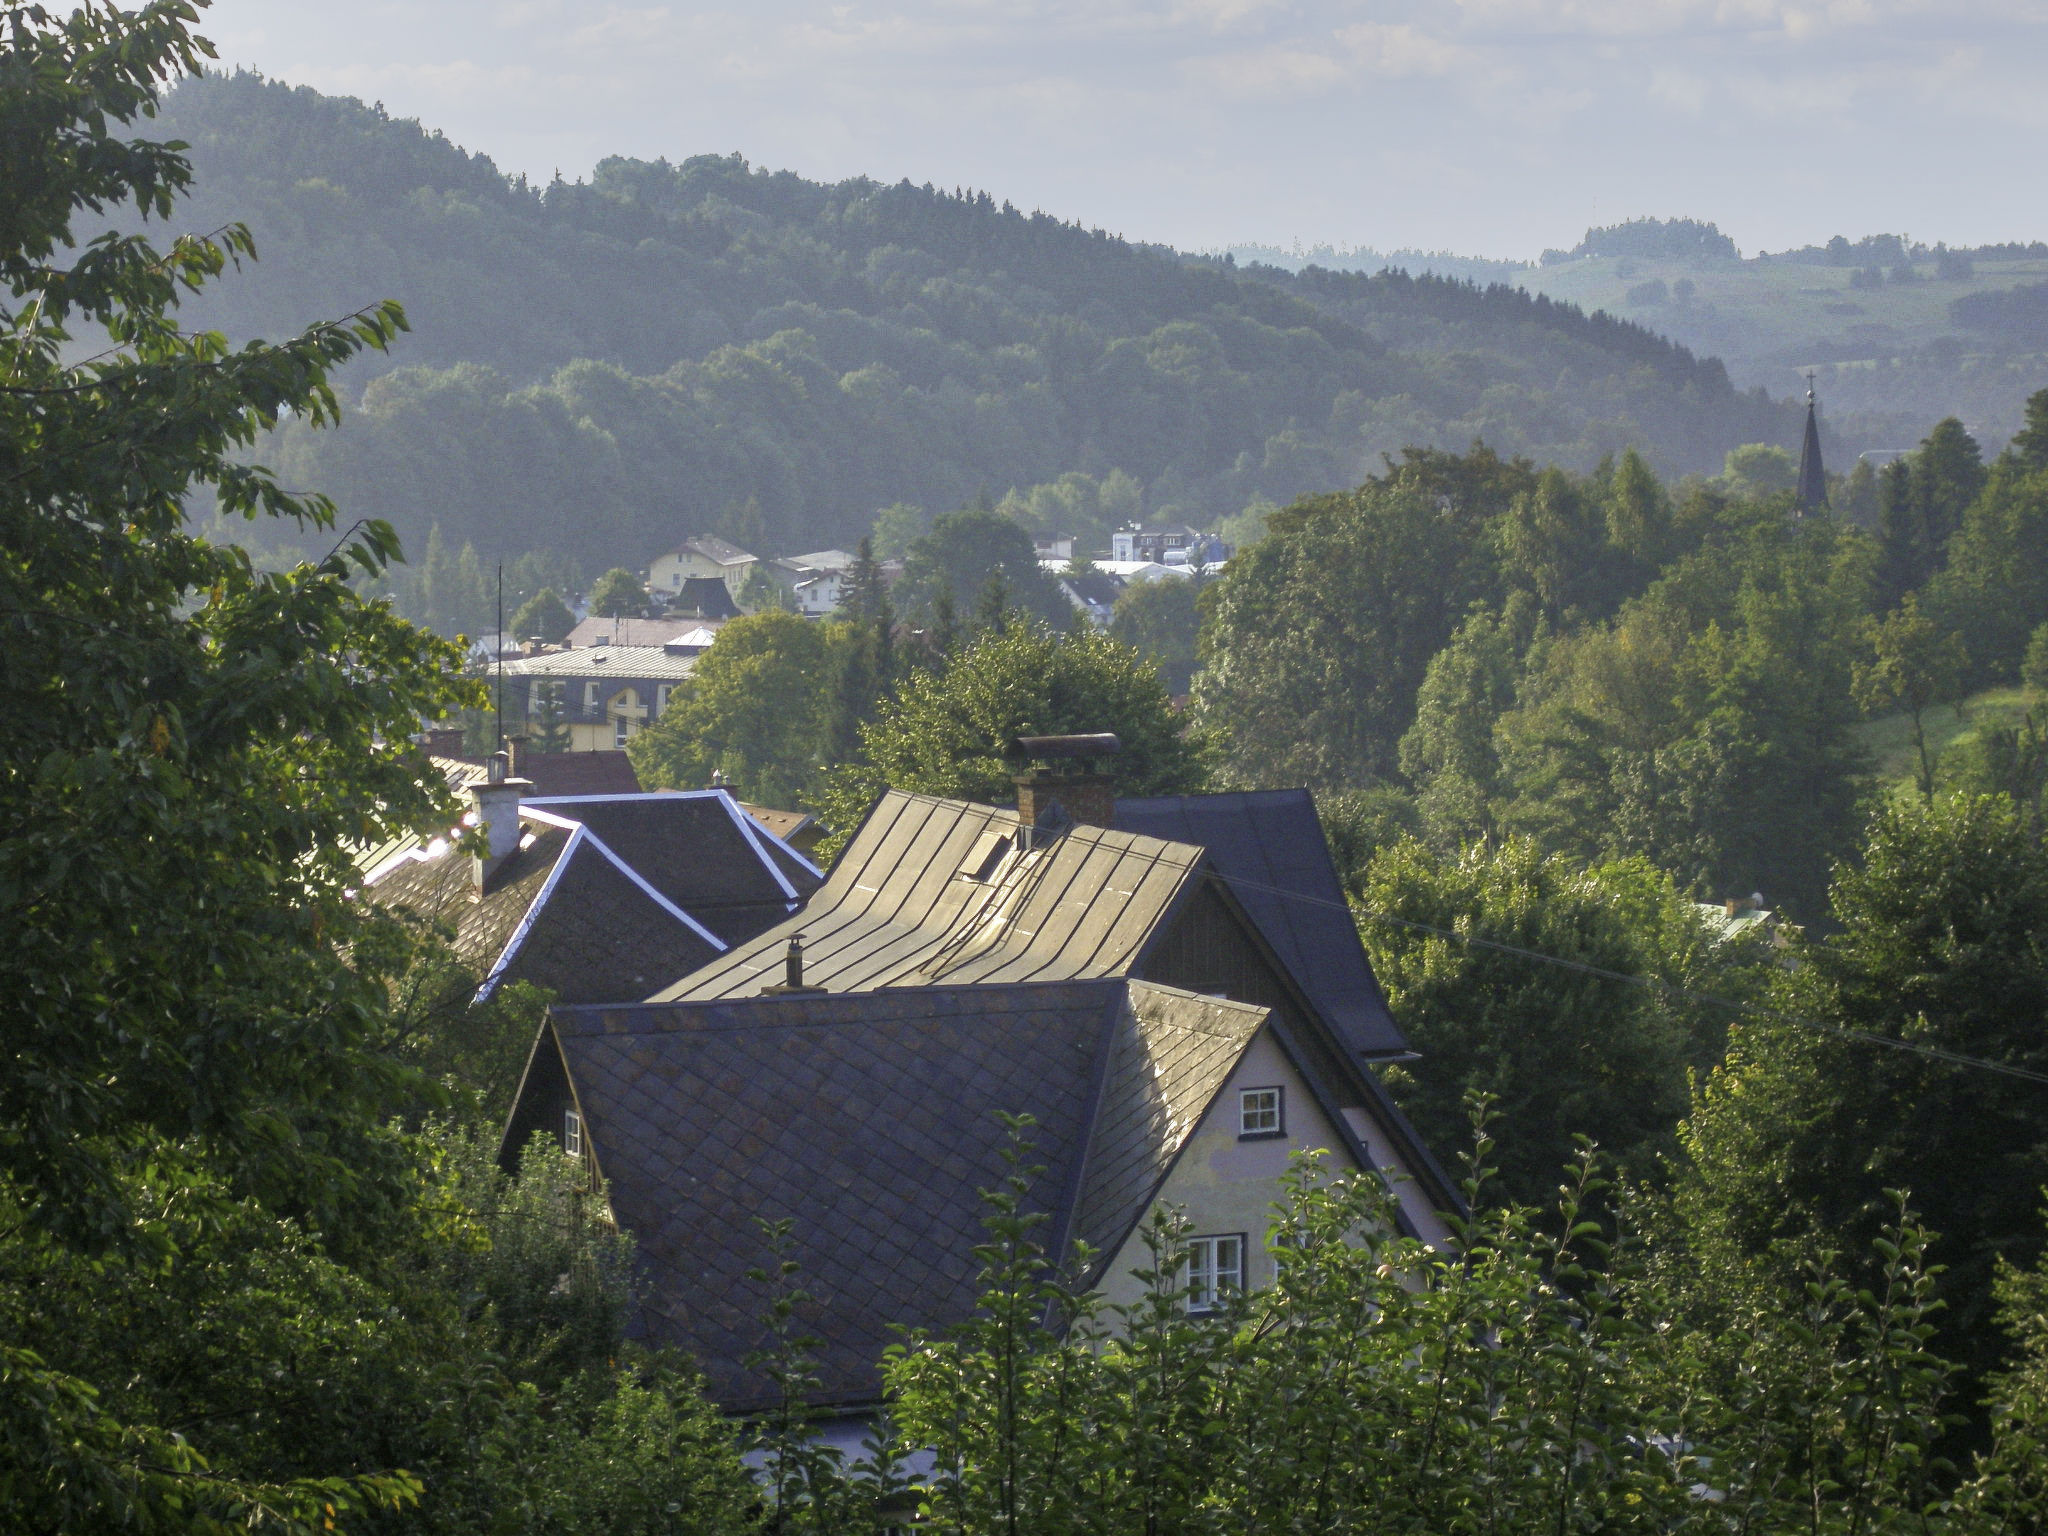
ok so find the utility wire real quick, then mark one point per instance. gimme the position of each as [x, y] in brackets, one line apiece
[1652, 984]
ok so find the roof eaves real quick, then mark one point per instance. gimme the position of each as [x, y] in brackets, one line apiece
[533, 909]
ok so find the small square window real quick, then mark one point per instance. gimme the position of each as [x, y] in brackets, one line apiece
[1259, 1113]
[1215, 1269]
[572, 1133]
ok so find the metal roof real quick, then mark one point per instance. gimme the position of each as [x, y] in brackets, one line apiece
[1268, 846]
[625, 662]
[871, 1121]
[942, 891]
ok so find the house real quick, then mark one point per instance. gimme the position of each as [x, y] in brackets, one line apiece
[1151, 541]
[1094, 594]
[800, 829]
[598, 898]
[816, 581]
[1177, 1018]
[700, 556]
[598, 631]
[1053, 546]
[1125, 571]
[608, 692]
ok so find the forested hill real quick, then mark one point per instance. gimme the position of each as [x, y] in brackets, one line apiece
[598, 367]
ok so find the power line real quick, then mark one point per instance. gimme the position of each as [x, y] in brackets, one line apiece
[1652, 984]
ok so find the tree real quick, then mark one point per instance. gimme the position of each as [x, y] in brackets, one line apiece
[945, 731]
[1922, 503]
[1936, 942]
[1756, 470]
[544, 616]
[1562, 1051]
[619, 594]
[963, 551]
[1913, 666]
[1162, 620]
[1320, 633]
[757, 709]
[898, 526]
[1994, 589]
[1449, 752]
[2030, 444]
[551, 731]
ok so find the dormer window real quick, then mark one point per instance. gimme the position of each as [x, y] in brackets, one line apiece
[572, 1133]
[1260, 1113]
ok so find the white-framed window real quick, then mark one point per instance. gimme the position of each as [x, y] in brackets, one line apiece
[589, 696]
[1260, 1112]
[572, 1133]
[1215, 1269]
[621, 729]
[661, 693]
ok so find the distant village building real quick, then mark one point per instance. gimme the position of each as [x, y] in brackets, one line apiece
[1093, 593]
[1171, 987]
[1173, 544]
[609, 693]
[816, 582]
[702, 556]
[1053, 546]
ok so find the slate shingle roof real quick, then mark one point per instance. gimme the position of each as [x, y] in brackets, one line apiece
[1264, 843]
[900, 909]
[610, 897]
[701, 851]
[871, 1122]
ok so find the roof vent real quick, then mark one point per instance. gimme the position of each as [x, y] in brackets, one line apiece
[792, 970]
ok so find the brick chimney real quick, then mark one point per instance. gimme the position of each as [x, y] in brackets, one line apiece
[443, 741]
[1087, 798]
[517, 752]
[497, 815]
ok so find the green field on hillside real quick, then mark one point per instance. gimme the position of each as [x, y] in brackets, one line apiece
[1890, 361]
[1888, 739]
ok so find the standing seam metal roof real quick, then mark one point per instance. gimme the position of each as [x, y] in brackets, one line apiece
[898, 911]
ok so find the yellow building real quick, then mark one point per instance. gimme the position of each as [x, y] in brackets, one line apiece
[608, 692]
[703, 555]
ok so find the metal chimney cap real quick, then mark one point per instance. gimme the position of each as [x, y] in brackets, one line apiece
[1097, 744]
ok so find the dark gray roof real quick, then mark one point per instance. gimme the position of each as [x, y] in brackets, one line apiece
[562, 913]
[1268, 846]
[702, 852]
[871, 1122]
[610, 897]
[901, 908]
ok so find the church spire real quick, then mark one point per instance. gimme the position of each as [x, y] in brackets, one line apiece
[1812, 495]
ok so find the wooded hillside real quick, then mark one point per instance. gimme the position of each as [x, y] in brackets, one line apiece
[597, 367]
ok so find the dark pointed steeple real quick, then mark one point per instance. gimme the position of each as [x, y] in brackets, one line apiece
[1812, 495]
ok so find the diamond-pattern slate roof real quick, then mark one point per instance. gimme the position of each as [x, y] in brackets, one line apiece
[610, 897]
[900, 908]
[871, 1122]
[1268, 847]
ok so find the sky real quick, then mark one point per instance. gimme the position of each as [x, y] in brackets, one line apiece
[1484, 127]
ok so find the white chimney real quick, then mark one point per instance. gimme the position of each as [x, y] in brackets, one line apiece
[497, 815]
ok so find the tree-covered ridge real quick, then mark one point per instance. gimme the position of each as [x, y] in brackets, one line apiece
[603, 366]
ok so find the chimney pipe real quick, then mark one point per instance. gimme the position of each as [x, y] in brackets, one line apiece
[792, 970]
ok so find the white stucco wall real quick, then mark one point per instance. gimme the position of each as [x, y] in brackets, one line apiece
[1224, 1184]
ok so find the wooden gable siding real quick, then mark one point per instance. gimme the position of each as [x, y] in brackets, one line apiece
[544, 1094]
[1205, 949]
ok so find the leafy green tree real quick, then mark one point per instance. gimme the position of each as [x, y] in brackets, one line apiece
[1638, 515]
[1563, 1052]
[1320, 633]
[1553, 543]
[2030, 444]
[544, 615]
[1994, 589]
[1756, 470]
[1162, 619]
[757, 709]
[619, 594]
[1449, 753]
[550, 730]
[945, 731]
[1936, 942]
[1913, 667]
[1922, 503]
[960, 555]
[898, 526]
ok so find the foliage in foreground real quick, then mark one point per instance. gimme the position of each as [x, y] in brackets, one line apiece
[1542, 1376]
